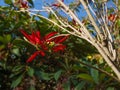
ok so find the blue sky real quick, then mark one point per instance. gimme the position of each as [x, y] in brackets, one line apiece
[39, 3]
[2, 3]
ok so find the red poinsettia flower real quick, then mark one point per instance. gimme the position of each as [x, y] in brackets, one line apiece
[49, 41]
[34, 38]
[55, 42]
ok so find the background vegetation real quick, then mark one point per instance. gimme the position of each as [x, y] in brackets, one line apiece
[78, 67]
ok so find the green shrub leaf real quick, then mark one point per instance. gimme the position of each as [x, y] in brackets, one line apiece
[57, 74]
[30, 72]
[95, 75]
[85, 77]
[16, 82]
[80, 86]
[8, 1]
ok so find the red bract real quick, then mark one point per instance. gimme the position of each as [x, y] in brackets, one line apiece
[112, 17]
[34, 38]
[55, 42]
[57, 4]
[59, 47]
[21, 3]
[24, 4]
[33, 56]
[48, 42]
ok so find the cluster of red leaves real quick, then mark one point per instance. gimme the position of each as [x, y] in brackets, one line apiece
[21, 3]
[49, 42]
[112, 17]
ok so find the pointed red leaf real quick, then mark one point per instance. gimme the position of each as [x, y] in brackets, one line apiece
[41, 53]
[50, 35]
[33, 56]
[60, 39]
[25, 34]
[32, 40]
[36, 36]
[57, 4]
[58, 48]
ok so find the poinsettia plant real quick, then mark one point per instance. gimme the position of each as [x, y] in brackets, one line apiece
[49, 42]
[55, 61]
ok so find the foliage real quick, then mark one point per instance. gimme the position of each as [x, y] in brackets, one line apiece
[78, 67]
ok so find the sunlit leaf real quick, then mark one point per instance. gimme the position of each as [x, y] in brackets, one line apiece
[16, 51]
[57, 74]
[8, 38]
[85, 77]
[118, 22]
[30, 72]
[8, 1]
[5, 39]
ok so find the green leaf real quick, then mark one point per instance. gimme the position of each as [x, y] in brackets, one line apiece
[8, 38]
[110, 88]
[16, 51]
[30, 72]
[118, 22]
[16, 82]
[57, 74]
[5, 39]
[19, 42]
[32, 88]
[2, 46]
[80, 86]
[78, 67]
[95, 75]
[66, 86]
[1, 39]
[43, 75]
[14, 74]
[85, 77]
[102, 76]
[8, 1]
[17, 68]
[119, 7]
